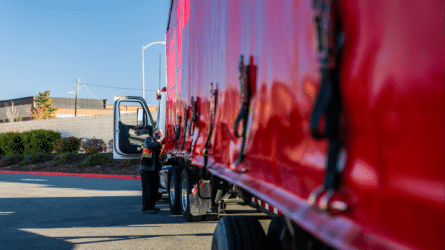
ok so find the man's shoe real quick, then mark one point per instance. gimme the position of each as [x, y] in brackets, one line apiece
[159, 196]
[150, 211]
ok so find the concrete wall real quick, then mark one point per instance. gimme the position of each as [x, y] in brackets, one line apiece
[98, 126]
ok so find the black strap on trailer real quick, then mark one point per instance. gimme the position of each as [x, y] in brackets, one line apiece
[327, 111]
[186, 124]
[213, 103]
[246, 77]
[328, 105]
[193, 115]
[177, 130]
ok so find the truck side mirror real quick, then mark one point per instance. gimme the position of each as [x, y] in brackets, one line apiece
[158, 93]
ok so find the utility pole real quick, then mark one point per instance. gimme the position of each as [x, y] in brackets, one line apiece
[77, 92]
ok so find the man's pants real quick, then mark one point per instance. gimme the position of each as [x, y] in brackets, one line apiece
[150, 187]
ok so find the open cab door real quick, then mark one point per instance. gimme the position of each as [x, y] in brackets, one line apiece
[132, 124]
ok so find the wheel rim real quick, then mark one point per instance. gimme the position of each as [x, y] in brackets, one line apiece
[172, 191]
[184, 195]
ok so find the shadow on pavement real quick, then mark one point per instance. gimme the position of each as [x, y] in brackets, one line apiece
[84, 183]
[25, 214]
[16, 239]
[22, 216]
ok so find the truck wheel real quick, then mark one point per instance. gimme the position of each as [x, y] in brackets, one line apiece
[279, 237]
[238, 232]
[277, 233]
[185, 192]
[174, 194]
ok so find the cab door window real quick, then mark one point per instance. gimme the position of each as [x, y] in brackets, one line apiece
[135, 124]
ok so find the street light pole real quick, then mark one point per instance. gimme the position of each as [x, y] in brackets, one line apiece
[143, 83]
[77, 93]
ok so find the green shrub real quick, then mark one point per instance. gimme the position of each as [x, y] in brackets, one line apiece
[93, 146]
[36, 158]
[92, 150]
[129, 162]
[2, 141]
[11, 160]
[67, 158]
[67, 145]
[33, 141]
[98, 159]
[11, 143]
[39, 141]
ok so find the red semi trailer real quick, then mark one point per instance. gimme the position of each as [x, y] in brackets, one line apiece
[327, 115]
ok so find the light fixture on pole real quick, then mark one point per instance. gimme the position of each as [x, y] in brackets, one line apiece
[143, 83]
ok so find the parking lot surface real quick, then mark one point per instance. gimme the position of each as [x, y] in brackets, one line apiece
[61, 212]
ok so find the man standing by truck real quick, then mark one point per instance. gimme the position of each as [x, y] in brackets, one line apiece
[150, 166]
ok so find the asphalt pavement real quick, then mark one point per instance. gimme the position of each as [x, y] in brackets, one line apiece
[61, 212]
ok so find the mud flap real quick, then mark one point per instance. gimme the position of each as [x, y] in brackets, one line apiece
[200, 198]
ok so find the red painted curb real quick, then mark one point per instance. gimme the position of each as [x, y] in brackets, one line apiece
[111, 176]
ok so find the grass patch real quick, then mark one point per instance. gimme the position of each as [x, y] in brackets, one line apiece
[98, 159]
[36, 158]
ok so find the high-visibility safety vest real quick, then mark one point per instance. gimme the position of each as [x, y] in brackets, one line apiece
[150, 155]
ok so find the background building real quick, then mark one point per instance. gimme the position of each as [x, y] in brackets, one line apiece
[85, 107]
[22, 105]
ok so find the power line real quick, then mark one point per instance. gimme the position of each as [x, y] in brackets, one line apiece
[94, 96]
[113, 87]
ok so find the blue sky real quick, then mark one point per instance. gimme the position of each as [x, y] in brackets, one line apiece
[47, 44]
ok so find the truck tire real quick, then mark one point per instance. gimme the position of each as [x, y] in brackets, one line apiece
[277, 233]
[279, 237]
[186, 184]
[238, 232]
[173, 189]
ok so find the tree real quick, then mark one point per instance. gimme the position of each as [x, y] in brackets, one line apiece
[37, 113]
[12, 113]
[44, 108]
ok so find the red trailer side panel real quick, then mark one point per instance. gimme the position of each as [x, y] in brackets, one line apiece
[392, 82]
